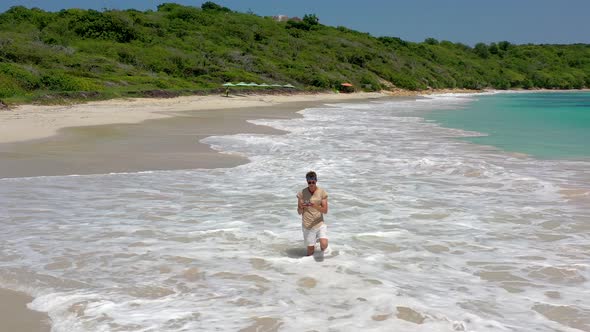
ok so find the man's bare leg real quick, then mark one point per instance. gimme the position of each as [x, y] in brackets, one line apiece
[323, 244]
[310, 250]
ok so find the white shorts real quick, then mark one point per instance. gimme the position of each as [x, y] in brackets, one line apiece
[311, 236]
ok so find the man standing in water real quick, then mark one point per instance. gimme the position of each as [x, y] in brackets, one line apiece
[312, 204]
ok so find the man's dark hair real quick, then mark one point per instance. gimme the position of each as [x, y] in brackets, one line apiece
[311, 175]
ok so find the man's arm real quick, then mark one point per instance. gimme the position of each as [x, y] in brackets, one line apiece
[299, 204]
[322, 207]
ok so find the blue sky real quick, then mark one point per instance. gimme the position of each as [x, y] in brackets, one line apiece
[465, 21]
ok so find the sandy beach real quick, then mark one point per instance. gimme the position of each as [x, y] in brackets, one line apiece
[128, 135]
[29, 122]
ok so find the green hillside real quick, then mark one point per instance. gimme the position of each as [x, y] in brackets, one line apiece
[177, 49]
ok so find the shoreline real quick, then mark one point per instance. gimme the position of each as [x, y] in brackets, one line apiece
[31, 122]
[28, 122]
[149, 135]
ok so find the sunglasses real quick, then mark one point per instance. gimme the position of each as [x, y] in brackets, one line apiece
[311, 182]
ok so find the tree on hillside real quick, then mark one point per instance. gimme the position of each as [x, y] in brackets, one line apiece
[167, 7]
[493, 48]
[481, 49]
[504, 45]
[209, 5]
[311, 19]
[431, 41]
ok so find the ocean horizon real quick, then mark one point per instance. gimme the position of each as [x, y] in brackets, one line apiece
[430, 230]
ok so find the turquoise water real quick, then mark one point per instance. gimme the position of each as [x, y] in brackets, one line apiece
[552, 125]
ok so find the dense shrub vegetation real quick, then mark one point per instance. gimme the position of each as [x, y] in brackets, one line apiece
[193, 49]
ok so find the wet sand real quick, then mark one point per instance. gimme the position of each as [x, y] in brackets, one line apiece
[168, 142]
[16, 317]
[162, 144]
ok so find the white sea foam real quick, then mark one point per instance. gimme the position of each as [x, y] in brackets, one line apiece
[427, 233]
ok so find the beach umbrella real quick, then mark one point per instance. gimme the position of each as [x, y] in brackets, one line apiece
[288, 86]
[346, 87]
[229, 84]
